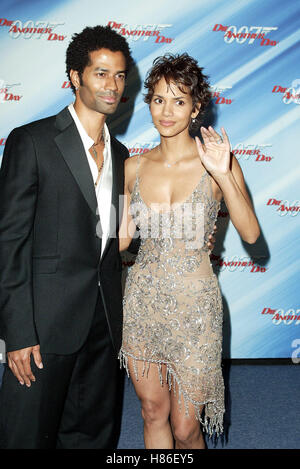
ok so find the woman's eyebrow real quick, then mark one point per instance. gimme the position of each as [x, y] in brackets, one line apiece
[175, 97]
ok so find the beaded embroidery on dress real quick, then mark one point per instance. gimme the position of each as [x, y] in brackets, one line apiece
[172, 303]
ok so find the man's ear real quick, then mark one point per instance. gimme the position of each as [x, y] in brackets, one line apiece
[75, 80]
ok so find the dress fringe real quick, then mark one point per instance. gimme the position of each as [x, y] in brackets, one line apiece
[212, 422]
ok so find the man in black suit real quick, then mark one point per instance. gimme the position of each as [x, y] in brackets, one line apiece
[60, 287]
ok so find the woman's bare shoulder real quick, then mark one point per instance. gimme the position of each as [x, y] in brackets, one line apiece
[131, 165]
[132, 161]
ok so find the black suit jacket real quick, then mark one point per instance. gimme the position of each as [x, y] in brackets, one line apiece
[49, 250]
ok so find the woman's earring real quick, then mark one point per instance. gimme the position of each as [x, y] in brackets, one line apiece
[193, 120]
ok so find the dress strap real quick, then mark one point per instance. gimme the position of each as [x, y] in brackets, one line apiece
[137, 176]
[209, 184]
[210, 188]
[206, 182]
[138, 166]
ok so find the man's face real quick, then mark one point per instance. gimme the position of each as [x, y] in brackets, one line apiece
[103, 81]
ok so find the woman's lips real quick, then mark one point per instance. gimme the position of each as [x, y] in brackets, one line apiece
[166, 123]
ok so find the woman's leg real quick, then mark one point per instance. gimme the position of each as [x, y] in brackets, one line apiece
[186, 429]
[155, 403]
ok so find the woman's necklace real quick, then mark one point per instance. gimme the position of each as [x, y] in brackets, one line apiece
[168, 164]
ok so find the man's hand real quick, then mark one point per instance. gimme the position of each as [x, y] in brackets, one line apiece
[212, 240]
[19, 363]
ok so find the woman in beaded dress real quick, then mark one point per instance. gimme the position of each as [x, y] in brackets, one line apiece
[172, 332]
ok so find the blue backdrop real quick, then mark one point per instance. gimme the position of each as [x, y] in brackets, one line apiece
[250, 50]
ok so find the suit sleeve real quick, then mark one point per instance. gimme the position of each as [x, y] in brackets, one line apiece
[18, 196]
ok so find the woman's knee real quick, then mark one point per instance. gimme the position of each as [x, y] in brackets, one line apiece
[185, 431]
[155, 411]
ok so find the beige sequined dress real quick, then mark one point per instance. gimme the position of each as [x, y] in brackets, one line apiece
[172, 302]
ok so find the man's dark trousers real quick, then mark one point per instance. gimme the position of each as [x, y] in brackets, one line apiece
[71, 395]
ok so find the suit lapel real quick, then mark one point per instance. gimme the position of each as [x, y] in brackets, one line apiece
[117, 190]
[118, 177]
[72, 150]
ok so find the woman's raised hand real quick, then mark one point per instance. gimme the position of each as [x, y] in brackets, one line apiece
[215, 153]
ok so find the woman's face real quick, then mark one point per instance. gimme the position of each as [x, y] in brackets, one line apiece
[171, 109]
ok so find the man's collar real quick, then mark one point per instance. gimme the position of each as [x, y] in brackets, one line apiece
[86, 139]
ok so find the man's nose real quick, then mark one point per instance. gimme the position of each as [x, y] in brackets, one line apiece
[110, 84]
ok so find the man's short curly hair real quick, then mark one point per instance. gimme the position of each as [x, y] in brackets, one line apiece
[182, 70]
[89, 40]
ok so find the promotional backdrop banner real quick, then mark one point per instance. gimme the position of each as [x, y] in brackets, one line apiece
[250, 51]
